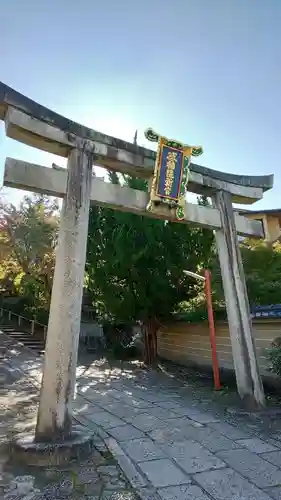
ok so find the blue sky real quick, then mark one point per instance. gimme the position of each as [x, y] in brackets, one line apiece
[204, 72]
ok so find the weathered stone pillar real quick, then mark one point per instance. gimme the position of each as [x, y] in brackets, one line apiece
[248, 379]
[59, 375]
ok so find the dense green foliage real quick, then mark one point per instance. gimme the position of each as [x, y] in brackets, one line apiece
[262, 265]
[263, 270]
[27, 252]
[135, 264]
[274, 356]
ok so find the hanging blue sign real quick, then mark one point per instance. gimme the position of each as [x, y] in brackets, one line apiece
[170, 173]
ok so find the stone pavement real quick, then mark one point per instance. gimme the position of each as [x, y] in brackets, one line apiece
[170, 441]
[98, 477]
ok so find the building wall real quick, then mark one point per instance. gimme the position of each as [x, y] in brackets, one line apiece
[189, 343]
[263, 219]
[271, 225]
[273, 228]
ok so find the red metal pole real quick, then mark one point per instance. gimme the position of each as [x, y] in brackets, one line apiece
[208, 292]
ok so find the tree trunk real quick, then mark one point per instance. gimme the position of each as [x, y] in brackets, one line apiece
[150, 327]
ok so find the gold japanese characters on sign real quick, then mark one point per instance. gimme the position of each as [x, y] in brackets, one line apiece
[171, 173]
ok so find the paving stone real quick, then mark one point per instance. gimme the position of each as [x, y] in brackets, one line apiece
[115, 484]
[103, 402]
[142, 450]
[202, 417]
[93, 489]
[189, 492]
[275, 443]
[153, 397]
[80, 497]
[167, 435]
[192, 457]
[119, 495]
[136, 479]
[96, 390]
[163, 472]
[118, 409]
[21, 486]
[162, 413]
[125, 432]
[101, 447]
[105, 419]
[138, 403]
[211, 439]
[182, 411]
[148, 493]
[131, 399]
[252, 466]
[122, 410]
[273, 457]
[54, 492]
[87, 475]
[138, 393]
[274, 493]
[35, 496]
[170, 405]
[169, 414]
[277, 436]
[196, 424]
[146, 422]
[81, 419]
[226, 484]
[228, 430]
[117, 393]
[134, 403]
[256, 445]
[66, 485]
[180, 422]
[108, 470]
[100, 432]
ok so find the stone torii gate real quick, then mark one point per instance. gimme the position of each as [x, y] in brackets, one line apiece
[33, 124]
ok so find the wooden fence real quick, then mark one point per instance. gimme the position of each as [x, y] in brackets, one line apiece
[30, 324]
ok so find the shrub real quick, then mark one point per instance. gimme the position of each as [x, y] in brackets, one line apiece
[274, 356]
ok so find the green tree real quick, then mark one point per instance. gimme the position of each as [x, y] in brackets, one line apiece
[27, 244]
[135, 264]
[262, 263]
[262, 266]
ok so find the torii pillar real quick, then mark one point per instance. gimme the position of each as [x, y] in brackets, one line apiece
[248, 379]
[59, 373]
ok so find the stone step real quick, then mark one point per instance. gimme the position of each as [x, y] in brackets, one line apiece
[30, 342]
[13, 330]
[19, 335]
[16, 334]
[22, 336]
[33, 342]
